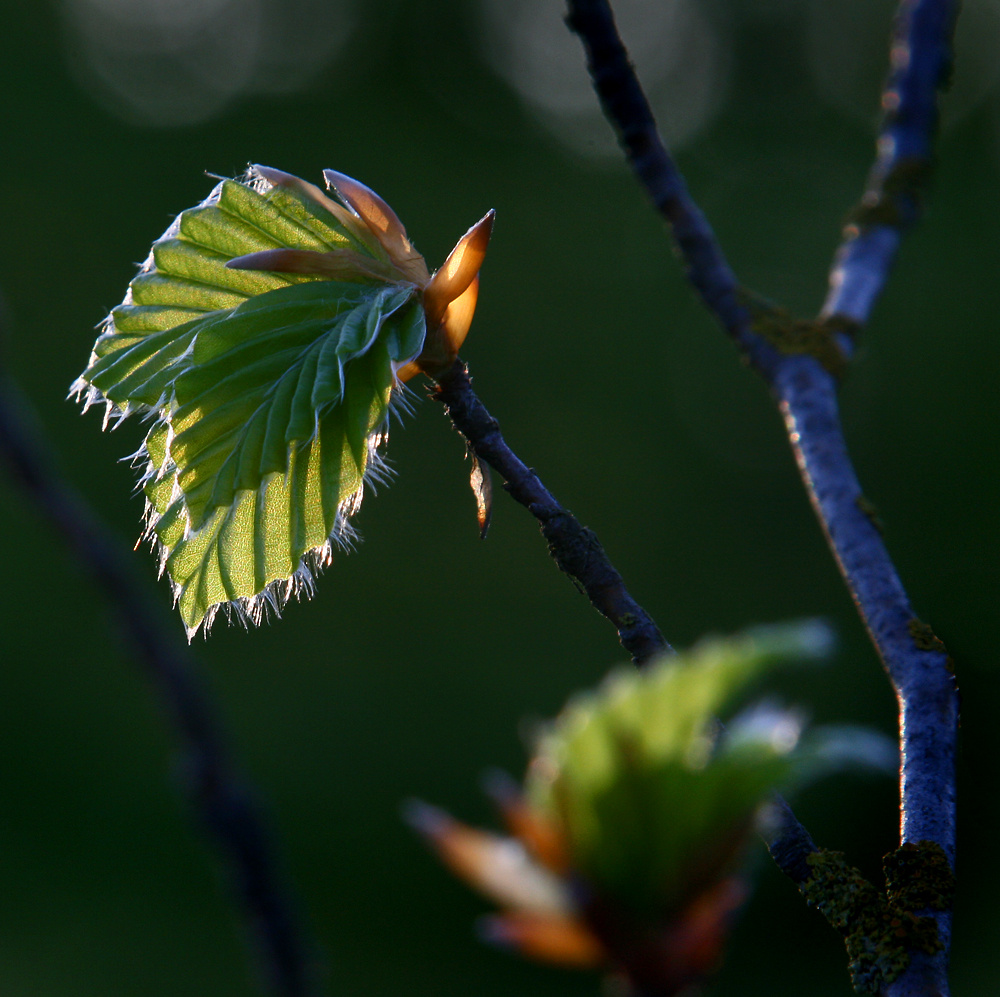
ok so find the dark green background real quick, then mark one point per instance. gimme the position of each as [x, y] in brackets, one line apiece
[423, 652]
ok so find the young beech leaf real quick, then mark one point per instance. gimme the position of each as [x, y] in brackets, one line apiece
[628, 846]
[267, 336]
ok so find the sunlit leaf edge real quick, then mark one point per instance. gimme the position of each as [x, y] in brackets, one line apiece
[161, 473]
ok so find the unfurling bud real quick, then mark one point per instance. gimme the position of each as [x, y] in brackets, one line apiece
[631, 836]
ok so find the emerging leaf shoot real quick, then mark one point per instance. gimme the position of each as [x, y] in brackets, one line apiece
[267, 336]
[629, 840]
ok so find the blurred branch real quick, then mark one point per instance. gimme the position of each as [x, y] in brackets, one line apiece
[223, 801]
[805, 389]
[575, 548]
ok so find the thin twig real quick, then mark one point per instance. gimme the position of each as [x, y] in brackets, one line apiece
[920, 64]
[575, 549]
[577, 552]
[915, 660]
[788, 842]
[225, 804]
[626, 107]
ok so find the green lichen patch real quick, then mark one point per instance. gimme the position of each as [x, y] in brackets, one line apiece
[868, 508]
[817, 338]
[894, 199]
[919, 877]
[878, 935]
[924, 637]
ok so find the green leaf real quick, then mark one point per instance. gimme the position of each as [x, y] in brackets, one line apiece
[652, 798]
[269, 391]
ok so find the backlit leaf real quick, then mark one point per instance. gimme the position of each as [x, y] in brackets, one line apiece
[269, 391]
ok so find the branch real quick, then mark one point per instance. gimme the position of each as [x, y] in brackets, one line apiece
[626, 107]
[577, 552]
[224, 802]
[575, 549]
[789, 843]
[805, 390]
[916, 661]
[920, 57]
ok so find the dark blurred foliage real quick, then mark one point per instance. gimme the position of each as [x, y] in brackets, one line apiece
[426, 651]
